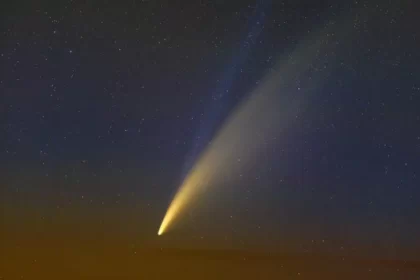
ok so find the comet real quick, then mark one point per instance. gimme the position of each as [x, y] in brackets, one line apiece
[265, 114]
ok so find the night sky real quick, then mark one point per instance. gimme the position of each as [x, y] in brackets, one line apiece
[105, 107]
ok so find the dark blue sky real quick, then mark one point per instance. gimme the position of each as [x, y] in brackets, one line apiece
[115, 102]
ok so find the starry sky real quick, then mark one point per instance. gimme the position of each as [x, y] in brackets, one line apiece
[105, 106]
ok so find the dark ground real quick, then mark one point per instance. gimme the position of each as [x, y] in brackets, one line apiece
[51, 259]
